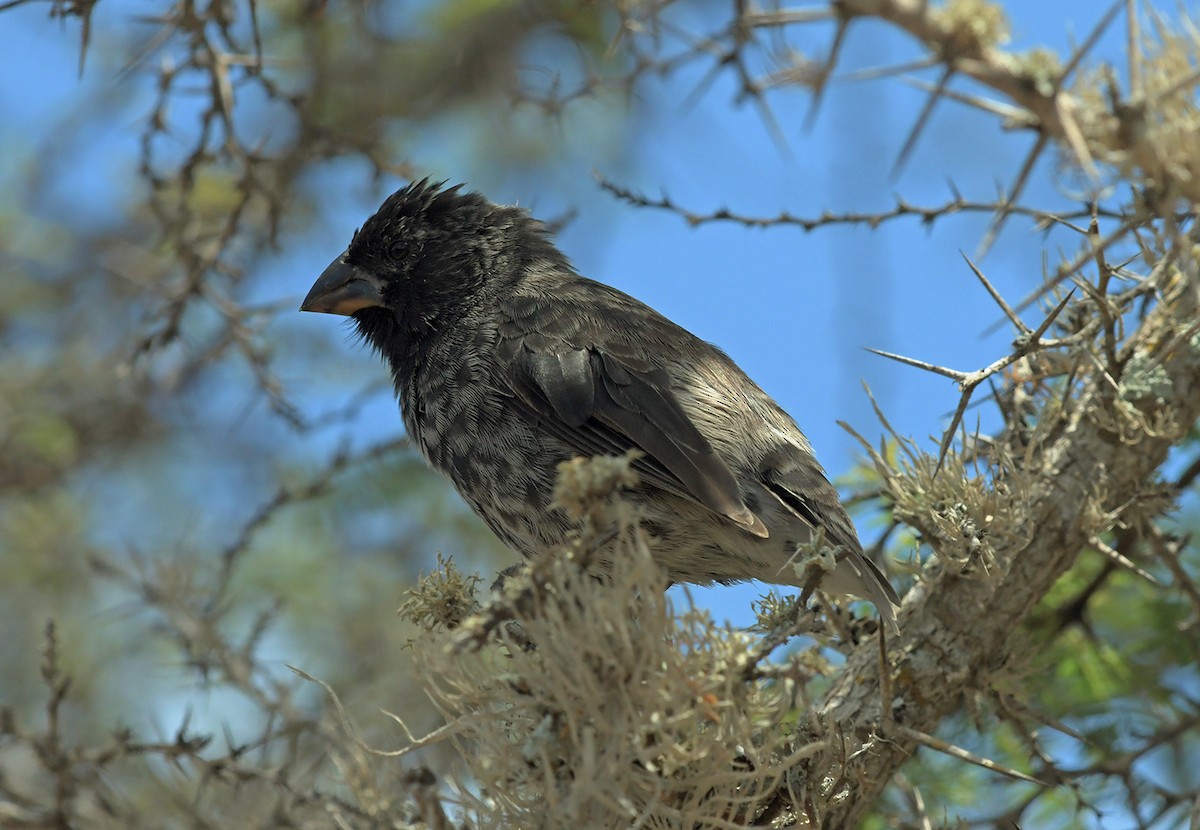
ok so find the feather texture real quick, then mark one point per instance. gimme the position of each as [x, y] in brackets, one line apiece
[507, 362]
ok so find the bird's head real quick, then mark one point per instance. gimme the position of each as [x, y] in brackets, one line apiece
[427, 256]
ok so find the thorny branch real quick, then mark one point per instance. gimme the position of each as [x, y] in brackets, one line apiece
[926, 215]
[1093, 397]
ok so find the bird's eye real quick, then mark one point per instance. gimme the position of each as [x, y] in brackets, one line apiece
[399, 251]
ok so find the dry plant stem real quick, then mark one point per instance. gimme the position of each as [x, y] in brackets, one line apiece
[1028, 343]
[926, 214]
[965, 628]
[988, 65]
[963, 755]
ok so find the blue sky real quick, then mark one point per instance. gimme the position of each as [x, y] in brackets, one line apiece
[796, 310]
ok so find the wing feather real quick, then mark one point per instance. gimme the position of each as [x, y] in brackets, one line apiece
[597, 404]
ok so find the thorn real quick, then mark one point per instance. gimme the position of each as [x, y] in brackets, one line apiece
[1000, 301]
[963, 755]
[1003, 213]
[1117, 558]
[1065, 108]
[921, 364]
[887, 425]
[1023, 709]
[948, 435]
[910, 142]
[1090, 41]
[1016, 115]
[839, 38]
[1033, 338]
[874, 73]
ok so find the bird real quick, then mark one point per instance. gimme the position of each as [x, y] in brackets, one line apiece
[507, 362]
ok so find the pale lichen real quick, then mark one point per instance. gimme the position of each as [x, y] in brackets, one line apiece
[969, 26]
[613, 709]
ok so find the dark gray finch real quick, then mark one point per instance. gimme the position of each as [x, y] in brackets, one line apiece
[507, 362]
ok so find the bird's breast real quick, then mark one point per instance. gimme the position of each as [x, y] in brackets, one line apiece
[468, 429]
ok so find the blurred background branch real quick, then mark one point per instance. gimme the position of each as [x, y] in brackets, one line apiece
[197, 491]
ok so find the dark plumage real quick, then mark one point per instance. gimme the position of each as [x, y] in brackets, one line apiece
[507, 362]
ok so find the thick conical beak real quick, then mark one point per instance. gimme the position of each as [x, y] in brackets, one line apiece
[343, 289]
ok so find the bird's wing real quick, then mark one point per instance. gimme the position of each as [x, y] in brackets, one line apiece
[799, 483]
[795, 478]
[600, 404]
